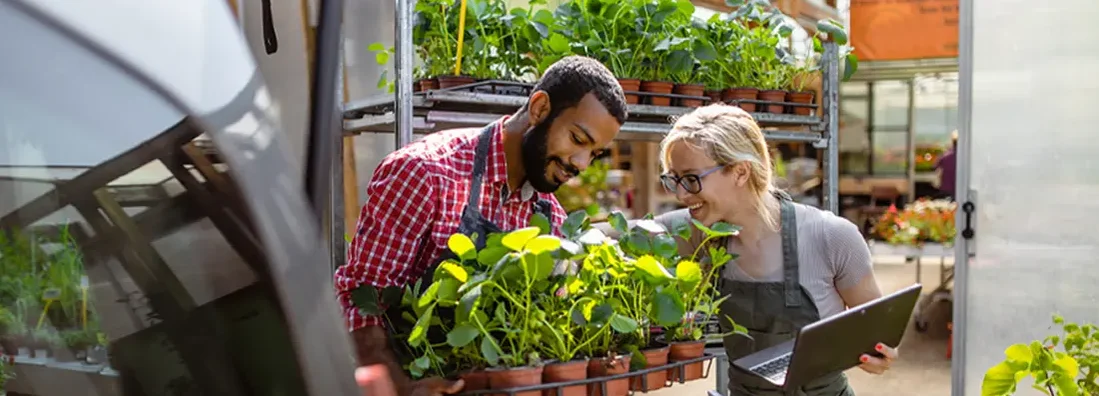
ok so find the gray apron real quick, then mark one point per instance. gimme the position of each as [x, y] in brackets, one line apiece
[773, 312]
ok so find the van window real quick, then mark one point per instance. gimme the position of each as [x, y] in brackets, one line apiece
[129, 263]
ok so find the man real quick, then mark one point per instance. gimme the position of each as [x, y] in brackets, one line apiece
[472, 181]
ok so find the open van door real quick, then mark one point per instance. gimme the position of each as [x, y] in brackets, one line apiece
[154, 234]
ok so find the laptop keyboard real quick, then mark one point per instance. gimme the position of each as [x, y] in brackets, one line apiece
[775, 369]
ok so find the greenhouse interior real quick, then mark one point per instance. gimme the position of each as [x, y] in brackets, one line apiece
[197, 232]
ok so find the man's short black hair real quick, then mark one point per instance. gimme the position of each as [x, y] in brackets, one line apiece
[568, 80]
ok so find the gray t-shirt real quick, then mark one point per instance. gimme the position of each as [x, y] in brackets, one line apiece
[832, 255]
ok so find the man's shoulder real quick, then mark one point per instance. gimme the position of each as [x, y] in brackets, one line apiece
[434, 153]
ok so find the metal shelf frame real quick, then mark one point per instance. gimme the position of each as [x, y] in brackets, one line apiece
[407, 113]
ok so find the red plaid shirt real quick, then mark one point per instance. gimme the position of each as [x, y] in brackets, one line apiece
[420, 190]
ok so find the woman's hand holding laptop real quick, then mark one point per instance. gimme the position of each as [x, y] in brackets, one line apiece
[878, 365]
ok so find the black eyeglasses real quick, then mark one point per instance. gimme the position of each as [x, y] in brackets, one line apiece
[690, 183]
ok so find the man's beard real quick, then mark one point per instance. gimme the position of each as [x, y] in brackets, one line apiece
[535, 160]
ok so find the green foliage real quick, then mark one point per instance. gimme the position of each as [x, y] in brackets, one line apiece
[657, 40]
[33, 266]
[582, 193]
[530, 295]
[1061, 365]
[6, 373]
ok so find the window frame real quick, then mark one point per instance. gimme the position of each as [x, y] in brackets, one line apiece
[276, 202]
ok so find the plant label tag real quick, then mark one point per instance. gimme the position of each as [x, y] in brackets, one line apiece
[52, 293]
[84, 282]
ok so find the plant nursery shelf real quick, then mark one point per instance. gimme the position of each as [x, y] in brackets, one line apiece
[436, 110]
[639, 378]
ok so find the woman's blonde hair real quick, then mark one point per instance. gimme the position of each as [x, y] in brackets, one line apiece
[728, 135]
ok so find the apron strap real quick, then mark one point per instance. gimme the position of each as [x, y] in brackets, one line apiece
[479, 160]
[790, 276]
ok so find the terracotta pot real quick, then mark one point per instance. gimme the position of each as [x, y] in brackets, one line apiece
[773, 95]
[514, 378]
[475, 380]
[654, 380]
[681, 351]
[691, 90]
[606, 367]
[714, 94]
[658, 87]
[800, 97]
[628, 85]
[741, 93]
[428, 84]
[574, 370]
[454, 81]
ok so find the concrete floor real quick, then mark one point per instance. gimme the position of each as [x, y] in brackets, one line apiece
[922, 368]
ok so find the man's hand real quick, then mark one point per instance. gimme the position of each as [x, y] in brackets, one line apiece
[373, 352]
[374, 381]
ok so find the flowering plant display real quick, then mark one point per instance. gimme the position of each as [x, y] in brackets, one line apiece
[923, 221]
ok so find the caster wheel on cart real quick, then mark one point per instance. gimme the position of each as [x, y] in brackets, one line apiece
[921, 326]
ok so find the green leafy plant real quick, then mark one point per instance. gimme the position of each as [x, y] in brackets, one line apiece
[582, 193]
[533, 294]
[835, 30]
[435, 33]
[1061, 365]
[381, 56]
[6, 374]
[700, 294]
[672, 48]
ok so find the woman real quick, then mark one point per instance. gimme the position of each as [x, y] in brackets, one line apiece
[796, 264]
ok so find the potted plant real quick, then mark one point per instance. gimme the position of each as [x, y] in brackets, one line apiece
[77, 343]
[718, 73]
[435, 32]
[1061, 365]
[601, 278]
[608, 31]
[694, 288]
[649, 275]
[684, 60]
[773, 80]
[665, 53]
[561, 330]
[6, 373]
[522, 34]
[604, 305]
[688, 47]
[562, 343]
[489, 45]
[497, 302]
[803, 73]
[753, 50]
[9, 328]
[98, 354]
[43, 342]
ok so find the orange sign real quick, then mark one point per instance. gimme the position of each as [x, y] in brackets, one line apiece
[904, 29]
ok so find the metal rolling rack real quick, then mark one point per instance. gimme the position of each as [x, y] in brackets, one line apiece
[407, 112]
[471, 105]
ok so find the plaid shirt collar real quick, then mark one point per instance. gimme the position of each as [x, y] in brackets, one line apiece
[496, 171]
